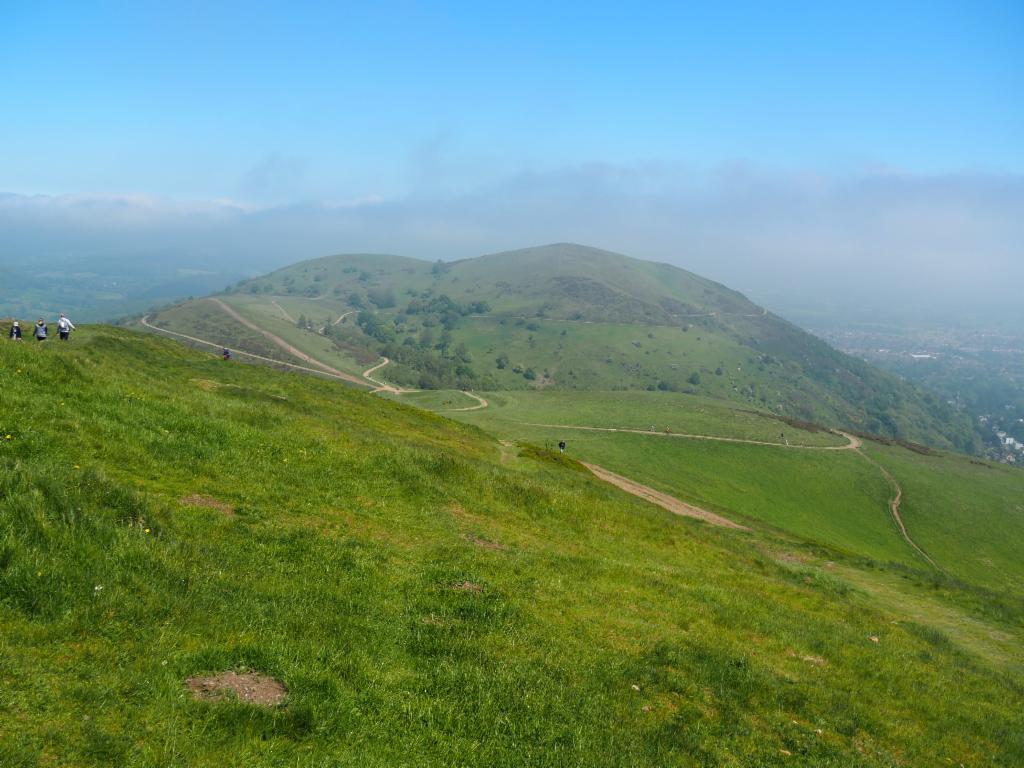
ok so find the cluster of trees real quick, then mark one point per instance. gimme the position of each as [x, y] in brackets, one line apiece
[435, 365]
[445, 309]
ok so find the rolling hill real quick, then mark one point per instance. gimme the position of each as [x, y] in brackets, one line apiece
[565, 317]
[400, 588]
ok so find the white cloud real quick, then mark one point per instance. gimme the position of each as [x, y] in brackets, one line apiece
[884, 237]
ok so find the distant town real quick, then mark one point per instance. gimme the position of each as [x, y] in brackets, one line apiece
[976, 370]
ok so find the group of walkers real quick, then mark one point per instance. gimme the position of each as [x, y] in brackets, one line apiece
[39, 331]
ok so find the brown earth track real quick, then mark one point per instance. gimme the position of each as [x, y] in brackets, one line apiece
[894, 509]
[145, 321]
[383, 386]
[284, 345]
[853, 444]
[480, 403]
[663, 500]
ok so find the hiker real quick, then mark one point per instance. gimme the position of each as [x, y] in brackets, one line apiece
[64, 327]
[561, 446]
[226, 354]
[40, 330]
[15, 334]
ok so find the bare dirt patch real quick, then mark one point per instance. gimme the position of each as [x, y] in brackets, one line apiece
[663, 500]
[249, 687]
[198, 500]
[467, 586]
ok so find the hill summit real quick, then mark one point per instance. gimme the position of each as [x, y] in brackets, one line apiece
[567, 316]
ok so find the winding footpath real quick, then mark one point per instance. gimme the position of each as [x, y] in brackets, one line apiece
[382, 386]
[853, 442]
[284, 345]
[480, 402]
[663, 500]
[894, 508]
[242, 353]
[647, 493]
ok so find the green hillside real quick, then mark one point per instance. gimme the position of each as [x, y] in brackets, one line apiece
[426, 595]
[573, 318]
[968, 515]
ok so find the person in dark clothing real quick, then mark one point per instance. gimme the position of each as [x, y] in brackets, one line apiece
[226, 354]
[40, 330]
[561, 446]
[15, 334]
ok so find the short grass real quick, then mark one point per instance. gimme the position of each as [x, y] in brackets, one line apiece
[205, 320]
[602, 632]
[966, 514]
[642, 410]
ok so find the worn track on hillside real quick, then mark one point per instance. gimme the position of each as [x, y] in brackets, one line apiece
[663, 500]
[853, 443]
[383, 386]
[284, 345]
[894, 508]
[243, 353]
[480, 403]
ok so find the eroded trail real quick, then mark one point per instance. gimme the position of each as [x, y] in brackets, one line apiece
[894, 508]
[663, 500]
[853, 442]
[284, 345]
[243, 353]
[383, 386]
[480, 402]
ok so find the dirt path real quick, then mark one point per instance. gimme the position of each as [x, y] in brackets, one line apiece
[894, 508]
[284, 311]
[853, 442]
[663, 500]
[145, 322]
[480, 402]
[284, 345]
[341, 317]
[383, 386]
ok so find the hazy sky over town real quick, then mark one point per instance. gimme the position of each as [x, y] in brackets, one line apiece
[799, 148]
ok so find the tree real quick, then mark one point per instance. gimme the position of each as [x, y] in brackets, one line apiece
[694, 379]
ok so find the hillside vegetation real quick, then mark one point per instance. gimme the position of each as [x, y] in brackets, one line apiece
[575, 318]
[425, 594]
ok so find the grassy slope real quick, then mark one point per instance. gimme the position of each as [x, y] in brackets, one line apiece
[967, 515]
[334, 574]
[834, 498]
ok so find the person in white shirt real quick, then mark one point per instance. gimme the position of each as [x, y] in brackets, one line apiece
[64, 327]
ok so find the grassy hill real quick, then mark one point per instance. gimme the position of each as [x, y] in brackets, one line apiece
[427, 595]
[575, 318]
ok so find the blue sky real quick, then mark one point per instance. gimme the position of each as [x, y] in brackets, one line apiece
[284, 102]
[814, 151]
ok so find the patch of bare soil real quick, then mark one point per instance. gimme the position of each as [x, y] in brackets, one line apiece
[198, 500]
[663, 500]
[466, 586]
[493, 545]
[249, 687]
